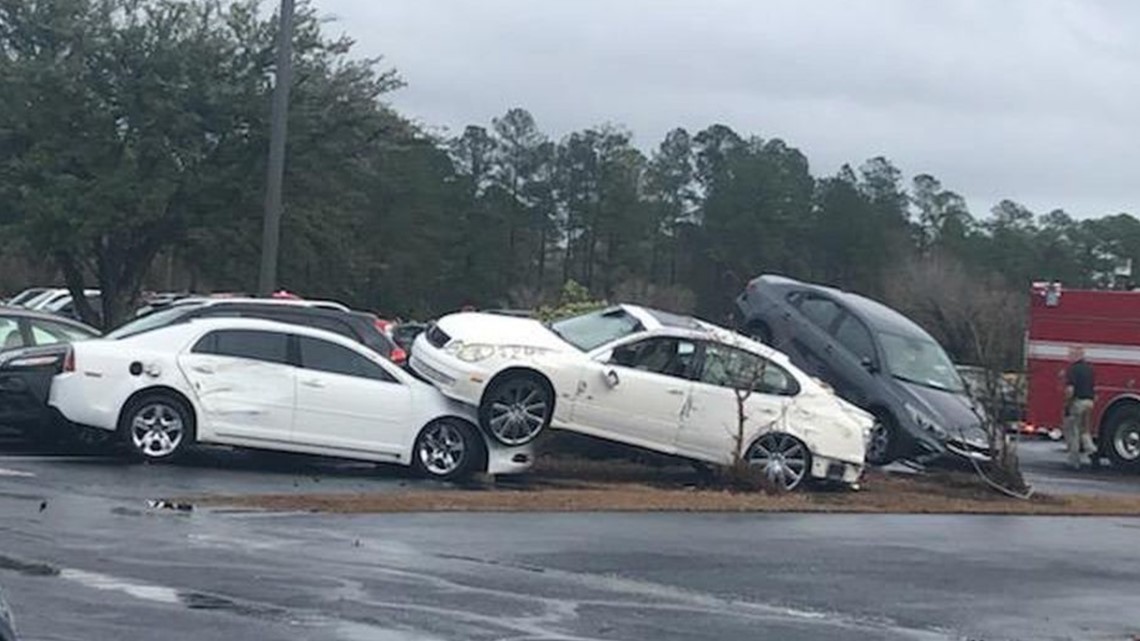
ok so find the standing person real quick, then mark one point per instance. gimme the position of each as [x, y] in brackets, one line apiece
[1080, 392]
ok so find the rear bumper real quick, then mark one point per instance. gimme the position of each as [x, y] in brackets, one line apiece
[835, 470]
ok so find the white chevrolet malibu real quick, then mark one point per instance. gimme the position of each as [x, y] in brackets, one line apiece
[269, 385]
[650, 379]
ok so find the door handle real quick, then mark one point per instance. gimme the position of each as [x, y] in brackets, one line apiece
[676, 392]
[313, 382]
[203, 369]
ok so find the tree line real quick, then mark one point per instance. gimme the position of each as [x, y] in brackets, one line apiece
[133, 136]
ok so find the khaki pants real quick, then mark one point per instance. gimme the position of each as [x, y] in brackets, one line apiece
[1078, 425]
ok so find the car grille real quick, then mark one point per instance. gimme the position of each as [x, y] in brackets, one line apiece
[436, 336]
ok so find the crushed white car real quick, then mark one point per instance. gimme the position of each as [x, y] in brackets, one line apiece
[647, 378]
[268, 385]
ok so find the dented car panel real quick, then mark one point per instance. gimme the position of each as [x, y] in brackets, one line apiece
[376, 415]
[678, 407]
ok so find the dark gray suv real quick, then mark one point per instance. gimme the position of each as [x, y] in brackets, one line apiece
[873, 357]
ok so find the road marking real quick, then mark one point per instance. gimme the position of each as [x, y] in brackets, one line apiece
[7, 472]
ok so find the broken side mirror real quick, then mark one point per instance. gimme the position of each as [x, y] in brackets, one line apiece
[612, 378]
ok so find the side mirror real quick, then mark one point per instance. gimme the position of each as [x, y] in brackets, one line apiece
[612, 378]
[869, 365]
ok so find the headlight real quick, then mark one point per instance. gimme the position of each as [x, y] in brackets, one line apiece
[924, 421]
[471, 352]
[475, 352]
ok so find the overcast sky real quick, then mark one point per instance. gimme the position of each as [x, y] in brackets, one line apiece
[1033, 100]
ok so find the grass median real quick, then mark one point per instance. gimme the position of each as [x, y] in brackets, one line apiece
[580, 485]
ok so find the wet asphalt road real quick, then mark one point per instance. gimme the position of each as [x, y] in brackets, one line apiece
[97, 562]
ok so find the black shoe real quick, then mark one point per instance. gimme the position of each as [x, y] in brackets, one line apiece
[1094, 461]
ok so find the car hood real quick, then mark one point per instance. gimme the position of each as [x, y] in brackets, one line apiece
[495, 329]
[954, 412]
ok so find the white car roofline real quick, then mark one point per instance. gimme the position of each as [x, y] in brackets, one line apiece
[284, 302]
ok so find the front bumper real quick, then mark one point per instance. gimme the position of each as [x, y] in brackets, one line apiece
[458, 380]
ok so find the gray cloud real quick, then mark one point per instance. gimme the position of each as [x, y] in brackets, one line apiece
[1032, 100]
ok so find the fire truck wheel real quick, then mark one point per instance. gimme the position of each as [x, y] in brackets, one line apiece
[1122, 437]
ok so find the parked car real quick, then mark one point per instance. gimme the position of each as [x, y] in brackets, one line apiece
[332, 316]
[645, 378]
[875, 358]
[55, 299]
[269, 385]
[23, 297]
[405, 333]
[32, 352]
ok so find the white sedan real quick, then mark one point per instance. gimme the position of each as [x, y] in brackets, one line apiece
[650, 379]
[269, 385]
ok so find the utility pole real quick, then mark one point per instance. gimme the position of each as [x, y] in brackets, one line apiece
[271, 236]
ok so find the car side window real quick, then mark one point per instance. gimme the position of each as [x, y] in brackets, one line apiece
[49, 333]
[324, 356]
[726, 366]
[256, 345]
[668, 356]
[855, 336]
[10, 336]
[822, 312]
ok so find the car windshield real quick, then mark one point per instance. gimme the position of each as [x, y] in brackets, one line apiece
[590, 331]
[149, 322]
[921, 361]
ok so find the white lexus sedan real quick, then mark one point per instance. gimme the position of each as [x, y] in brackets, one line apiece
[650, 379]
[269, 385]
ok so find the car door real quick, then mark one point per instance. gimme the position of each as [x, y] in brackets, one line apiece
[637, 392]
[810, 340]
[245, 385]
[853, 360]
[711, 424]
[350, 402]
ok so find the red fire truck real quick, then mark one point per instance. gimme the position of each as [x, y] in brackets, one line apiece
[1107, 325]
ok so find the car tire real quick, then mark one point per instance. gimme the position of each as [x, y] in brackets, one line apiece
[516, 408]
[448, 450]
[883, 447]
[1120, 439]
[157, 426]
[784, 460]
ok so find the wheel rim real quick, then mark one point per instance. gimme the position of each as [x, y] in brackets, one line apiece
[157, 429]
[782, 459]
[442, 449]
[1126, 441]
[518, 411]
[880, 443]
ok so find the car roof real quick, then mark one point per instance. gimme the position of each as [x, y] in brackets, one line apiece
[281, 302]
[24, 312]
[198, 326]
[875, 314]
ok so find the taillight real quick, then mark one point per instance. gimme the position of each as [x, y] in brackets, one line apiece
[398, 356]
[69, 361]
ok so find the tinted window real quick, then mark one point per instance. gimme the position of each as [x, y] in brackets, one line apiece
[735, 368]
[668, 356]
[245, 343]
[820, 311]
[48, 333]
[853, 335]
[10, 337]
[324, 356]
[281, 315]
